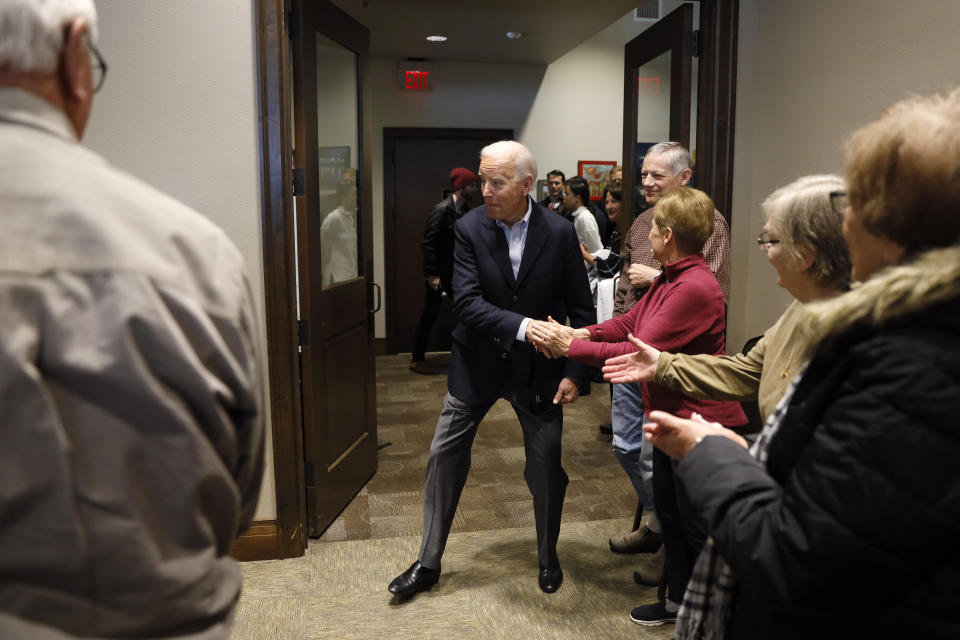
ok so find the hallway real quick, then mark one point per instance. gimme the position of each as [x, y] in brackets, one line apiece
[488, 586]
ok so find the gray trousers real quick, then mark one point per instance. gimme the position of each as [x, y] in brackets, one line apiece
[449, 464]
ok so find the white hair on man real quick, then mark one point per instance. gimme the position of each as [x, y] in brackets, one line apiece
[524, 164]
[32, 32]
[677, 155]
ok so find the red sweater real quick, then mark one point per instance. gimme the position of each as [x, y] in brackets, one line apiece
[682, 312]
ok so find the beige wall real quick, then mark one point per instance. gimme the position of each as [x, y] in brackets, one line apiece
[179, 110]
[809, 74]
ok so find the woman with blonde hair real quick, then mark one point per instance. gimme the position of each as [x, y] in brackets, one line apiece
[683, 311]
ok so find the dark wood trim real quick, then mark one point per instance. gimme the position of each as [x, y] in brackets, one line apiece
[279, 278]
[391, 135]
[716, 100]
[260, 542]
[380, 347]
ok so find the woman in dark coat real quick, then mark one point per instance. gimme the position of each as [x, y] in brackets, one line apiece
[845, 521]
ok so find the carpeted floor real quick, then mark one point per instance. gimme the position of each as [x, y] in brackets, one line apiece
[488, 588]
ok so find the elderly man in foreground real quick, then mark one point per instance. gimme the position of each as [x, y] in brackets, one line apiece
[129, 384]
[515, 264]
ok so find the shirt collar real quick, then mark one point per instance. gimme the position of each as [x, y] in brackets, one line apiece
[674, 269]
[525, 219]
[24, 108]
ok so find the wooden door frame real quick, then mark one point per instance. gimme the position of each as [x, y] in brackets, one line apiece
[716, 102]
[284, 537]
[390, 136]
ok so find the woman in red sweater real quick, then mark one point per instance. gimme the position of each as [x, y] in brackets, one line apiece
[683, 312]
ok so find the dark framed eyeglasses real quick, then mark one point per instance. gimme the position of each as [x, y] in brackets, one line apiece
[98, 66]
[839, 202]
[764, 241]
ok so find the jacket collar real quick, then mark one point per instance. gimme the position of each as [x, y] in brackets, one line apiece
[24, 108]
[932, 278]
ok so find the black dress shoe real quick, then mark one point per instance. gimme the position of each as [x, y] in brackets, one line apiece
[550, 579]
[415, 579]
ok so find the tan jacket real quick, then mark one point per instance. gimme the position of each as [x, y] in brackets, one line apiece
[762, 374]
[130, 395]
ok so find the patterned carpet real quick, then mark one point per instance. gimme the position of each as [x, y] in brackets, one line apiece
[488, 587]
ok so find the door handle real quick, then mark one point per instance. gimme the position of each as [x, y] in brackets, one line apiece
[379, 297]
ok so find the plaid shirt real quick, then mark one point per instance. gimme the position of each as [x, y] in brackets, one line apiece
[636, 250]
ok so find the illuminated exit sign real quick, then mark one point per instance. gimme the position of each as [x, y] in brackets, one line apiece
[416, 74]
[416, 80]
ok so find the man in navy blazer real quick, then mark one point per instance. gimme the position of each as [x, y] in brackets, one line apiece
[515, 264]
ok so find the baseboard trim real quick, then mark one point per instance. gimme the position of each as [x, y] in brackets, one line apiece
[379, 346]
[260, 542]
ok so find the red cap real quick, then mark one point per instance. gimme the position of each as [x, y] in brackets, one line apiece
[461, 177]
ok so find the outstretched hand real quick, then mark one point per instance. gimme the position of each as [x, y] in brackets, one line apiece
[676, 436]
[639, 366]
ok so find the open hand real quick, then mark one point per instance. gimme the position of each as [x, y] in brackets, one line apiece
[632, 367]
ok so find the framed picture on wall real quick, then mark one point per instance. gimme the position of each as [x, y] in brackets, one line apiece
[595, 173]
[542, 190]
[332, 163]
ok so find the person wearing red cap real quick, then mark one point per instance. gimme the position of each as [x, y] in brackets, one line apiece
[438, 257]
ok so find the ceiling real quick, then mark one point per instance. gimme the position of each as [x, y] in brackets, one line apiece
[476, 31]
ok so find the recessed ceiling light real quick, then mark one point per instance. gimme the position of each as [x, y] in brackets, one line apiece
[437, 38]
[513, 35]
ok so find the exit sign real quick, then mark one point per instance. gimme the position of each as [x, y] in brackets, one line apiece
[417, 80]
[416, 75]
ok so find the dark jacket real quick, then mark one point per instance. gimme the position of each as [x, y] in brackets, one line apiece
[491, 304]
[851, 530]
[438, 241]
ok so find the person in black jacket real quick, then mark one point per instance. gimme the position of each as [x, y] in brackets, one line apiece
[844, 522]
[438, 258]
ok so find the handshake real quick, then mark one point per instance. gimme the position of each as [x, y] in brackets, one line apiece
[551, 338]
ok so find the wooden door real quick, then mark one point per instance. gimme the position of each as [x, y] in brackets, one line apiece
[335, 265]
[416, 176]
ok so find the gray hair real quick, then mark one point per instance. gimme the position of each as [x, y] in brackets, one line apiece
[678, 156]
[524, 164]
[31, 31]
[804, 217]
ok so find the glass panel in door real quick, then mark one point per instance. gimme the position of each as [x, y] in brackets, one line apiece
[337, 160]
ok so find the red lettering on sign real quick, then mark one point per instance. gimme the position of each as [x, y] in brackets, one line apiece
[416, 80]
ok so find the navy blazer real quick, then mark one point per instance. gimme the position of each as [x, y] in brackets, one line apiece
[490, 305]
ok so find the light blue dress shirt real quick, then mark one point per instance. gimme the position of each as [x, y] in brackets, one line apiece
[516, 241]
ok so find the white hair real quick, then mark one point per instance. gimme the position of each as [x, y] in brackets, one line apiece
[524, 164]
[31, 31]
[677, 155]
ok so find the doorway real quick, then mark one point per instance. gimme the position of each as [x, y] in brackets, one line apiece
[416, 176]
[334, 240]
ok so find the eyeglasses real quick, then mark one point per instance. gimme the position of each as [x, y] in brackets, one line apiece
[765, 242]
[98, 66]
[839, 202]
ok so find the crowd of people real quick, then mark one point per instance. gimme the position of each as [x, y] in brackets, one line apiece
[837, 519]
[131, 380]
